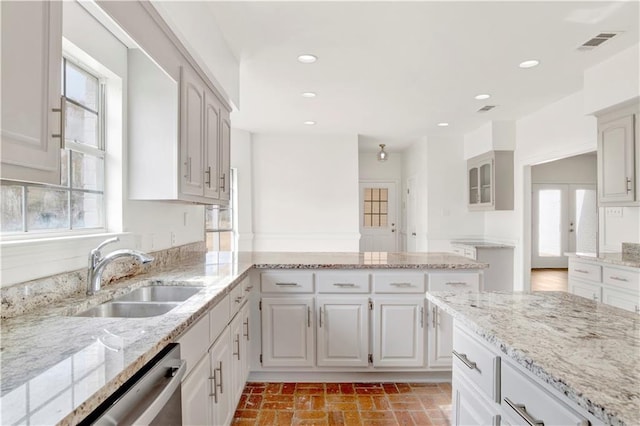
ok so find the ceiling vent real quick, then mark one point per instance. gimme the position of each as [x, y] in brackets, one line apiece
[598, 40]
[486, 108]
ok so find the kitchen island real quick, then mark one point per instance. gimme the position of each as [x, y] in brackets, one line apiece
[582, 355]
[56, 368]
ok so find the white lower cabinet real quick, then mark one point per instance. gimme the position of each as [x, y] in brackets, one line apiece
[398, 332]
[585, 289]
[440, 338]
[245, 340]
[221, 380]
[287, 332]
[467, 408]
[343, 331]
[196, 407]
[621, 299]
[238, 355]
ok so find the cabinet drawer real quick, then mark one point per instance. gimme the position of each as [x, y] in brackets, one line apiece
[194, 343]
[476, 363]
[399, 282]
[623, 278]
[236, 298]
[523, 397]
[585, 271]
[218, 319]
[343, 282]
[458, 250]
[455, 281]
[470, 253]
[287, 282]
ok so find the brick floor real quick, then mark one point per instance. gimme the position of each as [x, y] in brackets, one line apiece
[362, 404]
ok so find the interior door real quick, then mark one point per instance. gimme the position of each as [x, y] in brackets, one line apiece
[564, 219]
[411, 228]
[378, 220]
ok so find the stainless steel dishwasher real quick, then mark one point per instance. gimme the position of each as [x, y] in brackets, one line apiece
[151, 397]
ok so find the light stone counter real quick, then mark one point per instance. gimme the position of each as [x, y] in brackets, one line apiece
[619, 259]
[587, 350]
[480, 244]
[57, 368]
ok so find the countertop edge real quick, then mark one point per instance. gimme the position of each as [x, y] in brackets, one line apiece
[603, 259]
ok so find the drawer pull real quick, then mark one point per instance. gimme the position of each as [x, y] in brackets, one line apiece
[466, 361]
[287, 284]
[582, 271]
[249, 288]
[238, 299]
[344, 284]
[619, 279]
[455, 283]
[308, 317]
[434, 316]
[522, 412]
[401, 284]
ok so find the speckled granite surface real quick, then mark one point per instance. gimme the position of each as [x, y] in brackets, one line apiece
[587, 350]
[481, 244]
[57, 368]
[619, 259]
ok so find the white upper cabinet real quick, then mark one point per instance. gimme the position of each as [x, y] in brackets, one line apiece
[212, 146]
[31, 66]
[618, 158]
[490, 181]
[191, 133]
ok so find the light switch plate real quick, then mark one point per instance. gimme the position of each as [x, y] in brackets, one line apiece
[614, 211]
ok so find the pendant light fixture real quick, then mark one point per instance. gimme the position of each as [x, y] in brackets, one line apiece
[382, 155]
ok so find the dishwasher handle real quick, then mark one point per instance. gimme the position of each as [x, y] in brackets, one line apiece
[176, 374]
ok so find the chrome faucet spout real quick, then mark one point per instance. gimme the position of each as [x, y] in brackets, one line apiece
[97, 263]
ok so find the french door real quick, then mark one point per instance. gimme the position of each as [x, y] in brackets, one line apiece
[564, 219]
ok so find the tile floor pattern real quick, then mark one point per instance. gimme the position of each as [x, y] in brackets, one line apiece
[361, 404]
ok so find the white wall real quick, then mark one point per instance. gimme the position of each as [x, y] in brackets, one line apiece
[241, 161]
[578, 169]
[305, 192]
[147, 225]
[448, 215]
[369, 168]
[195, 26]
[492, 136]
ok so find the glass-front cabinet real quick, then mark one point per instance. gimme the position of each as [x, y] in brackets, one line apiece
[490, 181]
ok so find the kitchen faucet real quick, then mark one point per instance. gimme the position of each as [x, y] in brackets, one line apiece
[97, 263]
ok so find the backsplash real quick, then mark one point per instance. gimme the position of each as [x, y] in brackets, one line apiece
[21, 298]
[631, 251]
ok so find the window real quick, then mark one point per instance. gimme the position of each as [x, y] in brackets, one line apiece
[220, 223]
[78, 202]
[376, 202]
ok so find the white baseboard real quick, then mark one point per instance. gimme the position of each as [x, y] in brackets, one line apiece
[351, 377]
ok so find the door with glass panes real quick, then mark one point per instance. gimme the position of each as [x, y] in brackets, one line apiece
[378, 222]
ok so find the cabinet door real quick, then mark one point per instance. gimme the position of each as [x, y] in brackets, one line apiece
[31, 67]
[474, 186]
[585, 289]
[246, 341]
[343, 332]
[192, 133]
[237, 358]
[468, 408]
[287, 332]
[220, 357]
[621, 299]
[616, 174]
[398, 337]
[212, 135]
[486, 183]
[196, 409]
[225, 156]
[440, 338]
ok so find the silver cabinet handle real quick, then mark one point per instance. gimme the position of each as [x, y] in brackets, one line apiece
[237, 342]
[215, 382]
[344, 284]
[619, 279]
[522, 412]
[422, 317]
[249, 288]
[466, 361]
[401, 284]
[246, 324]
[220, 385]
[595, 297]
[434, 317]
[455, 283]
[628, 185]
[287, 284]
[309, 316]
[582, 271]
[224, 179]
[320, 317]
[63, 115]
[239, 299]
[207, 180]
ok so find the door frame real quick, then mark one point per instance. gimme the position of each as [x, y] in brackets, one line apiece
[391, 182]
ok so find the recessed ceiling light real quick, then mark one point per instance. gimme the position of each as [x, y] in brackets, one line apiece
[529, 64]
[310, 123]
[307, 59]
[308, 94]
[483, 96]
[443, 124]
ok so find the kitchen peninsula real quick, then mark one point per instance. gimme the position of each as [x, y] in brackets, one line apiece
[545, 356]
[57, 367]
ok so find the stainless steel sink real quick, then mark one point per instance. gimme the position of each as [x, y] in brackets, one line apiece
[128, 309]
[158, 293]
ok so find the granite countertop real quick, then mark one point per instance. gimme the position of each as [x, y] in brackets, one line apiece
[68, 365]
[481, 244]
[588, 351]
[619, 259]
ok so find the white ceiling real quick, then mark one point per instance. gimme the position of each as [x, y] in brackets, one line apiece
[390, 71]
